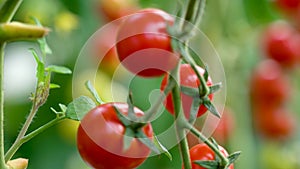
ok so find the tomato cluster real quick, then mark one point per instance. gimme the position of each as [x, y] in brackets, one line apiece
[270, 87]
[142, 44]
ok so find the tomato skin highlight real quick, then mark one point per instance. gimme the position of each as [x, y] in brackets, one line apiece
[144, 45]
[188, 78]
[203, 152]
[100, 139]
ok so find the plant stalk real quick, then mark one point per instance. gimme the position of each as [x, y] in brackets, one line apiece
[9, 9]
[20, 141]
[2, 161]
[179, 117]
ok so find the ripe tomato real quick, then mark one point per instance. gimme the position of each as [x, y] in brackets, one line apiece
[203, 152]
[144, 45]
[269, 87]
[115, 9]
[104, 49]
[281, 43]
[274, 123]
[225, 127]
[100, 139]
[288, 6]
[188, 78]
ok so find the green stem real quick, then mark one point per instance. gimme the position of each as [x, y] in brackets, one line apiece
[224, 160]
[15, 31]
[179, 117]
[9, 9]
[20, 141]
[2, 161]
[191, 10]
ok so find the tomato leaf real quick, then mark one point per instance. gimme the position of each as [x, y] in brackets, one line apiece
[214, 88]
[40, 73]
[207, 164]
[161, 148]
[127, 139]
[145, 140]
[208, 104]
[58, 69]
[194, 109]
[194, 92]
[79, 107]
[206, 74]
[93, 91]
[196, 58]
[122, 118]
[54, 86]
[233, 157]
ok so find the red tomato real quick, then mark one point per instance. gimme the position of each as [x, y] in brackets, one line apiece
[144, 45]
[104, 48]
[269, 87]
[115, 9]
[188, 78]
[274, 123]
[288, 6]
[281, 43]
[203, 152]
[100, 139]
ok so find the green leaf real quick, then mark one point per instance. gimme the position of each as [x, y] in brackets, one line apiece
[214, 88]
[194, 109]
[42, 41]
[79, 107]
[122, 118]
[40, 74]
[93, 91]
[206, 74]
[208, 104]
[194, 92]
[233, 157]
[207, 164]
[161, 148]
[145, 140]
[128, 137]
[62, 107]
[54, 86]
[58, 69]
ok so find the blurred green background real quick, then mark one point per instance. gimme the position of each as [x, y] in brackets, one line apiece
[233, 26]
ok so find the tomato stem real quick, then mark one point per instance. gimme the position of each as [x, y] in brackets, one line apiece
[224, 160]
[20, 141]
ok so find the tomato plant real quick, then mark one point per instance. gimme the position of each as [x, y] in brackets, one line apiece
[269, 86]
[100, 139]
[115, 9]
[145, 48]
[204, 153]
[188, 78]
[281, 43]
